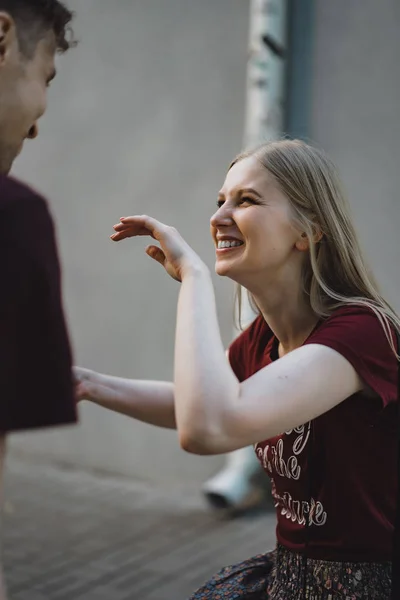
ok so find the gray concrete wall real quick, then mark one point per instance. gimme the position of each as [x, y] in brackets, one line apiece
[145, 116]
[356, 99]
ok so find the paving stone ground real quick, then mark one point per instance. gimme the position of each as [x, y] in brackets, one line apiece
[71, 535]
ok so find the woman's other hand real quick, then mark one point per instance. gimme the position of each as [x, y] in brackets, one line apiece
[173, 253]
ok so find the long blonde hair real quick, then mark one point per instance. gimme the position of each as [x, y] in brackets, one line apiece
[336, 273]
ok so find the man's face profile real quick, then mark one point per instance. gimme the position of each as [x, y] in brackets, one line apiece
[23, 89]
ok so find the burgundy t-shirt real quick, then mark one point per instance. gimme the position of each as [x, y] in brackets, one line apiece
[351, 448]
[36, 387]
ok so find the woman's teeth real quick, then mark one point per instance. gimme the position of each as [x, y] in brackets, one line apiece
[230, 244]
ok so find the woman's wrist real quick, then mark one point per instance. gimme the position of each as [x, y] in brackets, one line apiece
[195, 269]
[86, 384]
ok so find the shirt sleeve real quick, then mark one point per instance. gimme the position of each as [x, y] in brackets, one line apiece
[235, 358]
[245, 346]
[357, 334]
[36, 387]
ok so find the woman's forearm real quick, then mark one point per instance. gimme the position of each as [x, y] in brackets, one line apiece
[205, 384]
[148, 401]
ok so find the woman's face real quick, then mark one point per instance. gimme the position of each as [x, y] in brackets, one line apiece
[252, 228]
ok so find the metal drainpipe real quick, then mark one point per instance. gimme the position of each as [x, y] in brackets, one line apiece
[233, 486]
[266, 82]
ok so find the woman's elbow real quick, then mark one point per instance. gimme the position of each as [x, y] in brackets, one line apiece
[196, 444]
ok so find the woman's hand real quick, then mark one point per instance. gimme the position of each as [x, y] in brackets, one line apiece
[174, 254]
[96, 387]
[83, 383]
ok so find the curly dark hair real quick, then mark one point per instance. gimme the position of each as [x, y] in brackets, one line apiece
[35, 18]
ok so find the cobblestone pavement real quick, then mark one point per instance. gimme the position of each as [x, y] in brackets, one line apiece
[71, 535]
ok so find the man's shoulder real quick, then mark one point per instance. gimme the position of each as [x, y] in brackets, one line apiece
[25, 220]
[18, 200]
[15, 194]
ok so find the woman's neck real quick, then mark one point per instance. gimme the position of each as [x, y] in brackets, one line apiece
[289, 315]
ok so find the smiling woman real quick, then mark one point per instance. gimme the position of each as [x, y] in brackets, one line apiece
[255, 211]
[312, 383]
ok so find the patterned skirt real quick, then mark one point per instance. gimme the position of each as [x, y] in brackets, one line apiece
[279, 575]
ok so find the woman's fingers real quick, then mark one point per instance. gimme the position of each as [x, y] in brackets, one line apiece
[146, 224]
[117, 237]
[134, 228]
[174, 252]
[143, 220]
[125, 231]
[137, 226]
[156, 253]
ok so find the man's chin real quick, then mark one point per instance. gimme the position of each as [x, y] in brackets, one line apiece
[6, 166]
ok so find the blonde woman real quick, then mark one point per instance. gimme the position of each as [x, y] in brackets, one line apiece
[312, 383]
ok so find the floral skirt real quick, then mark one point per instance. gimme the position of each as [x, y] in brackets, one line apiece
[279, 575]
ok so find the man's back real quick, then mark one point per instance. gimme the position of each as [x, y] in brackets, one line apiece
[35, 359]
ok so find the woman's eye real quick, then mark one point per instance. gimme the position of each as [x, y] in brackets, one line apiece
[247, 200]
[242, 200]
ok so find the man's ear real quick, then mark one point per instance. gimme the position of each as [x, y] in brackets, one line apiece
[8, 36]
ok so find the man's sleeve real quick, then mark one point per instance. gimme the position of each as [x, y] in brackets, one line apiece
[35, 359]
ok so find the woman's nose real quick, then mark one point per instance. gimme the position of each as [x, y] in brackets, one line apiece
[223, 216]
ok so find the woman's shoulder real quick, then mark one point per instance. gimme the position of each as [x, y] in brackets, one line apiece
[357, 322]
[362, 336]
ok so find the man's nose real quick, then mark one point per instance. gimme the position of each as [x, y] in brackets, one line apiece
[33, 132]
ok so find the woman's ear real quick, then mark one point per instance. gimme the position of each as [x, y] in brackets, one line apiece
[318, 234]
[303, 242]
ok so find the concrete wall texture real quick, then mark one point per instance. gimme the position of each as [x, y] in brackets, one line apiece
[145, 117]
[356, 95]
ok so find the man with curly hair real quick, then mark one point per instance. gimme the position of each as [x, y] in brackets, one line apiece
[31, 33]
[35, 359]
